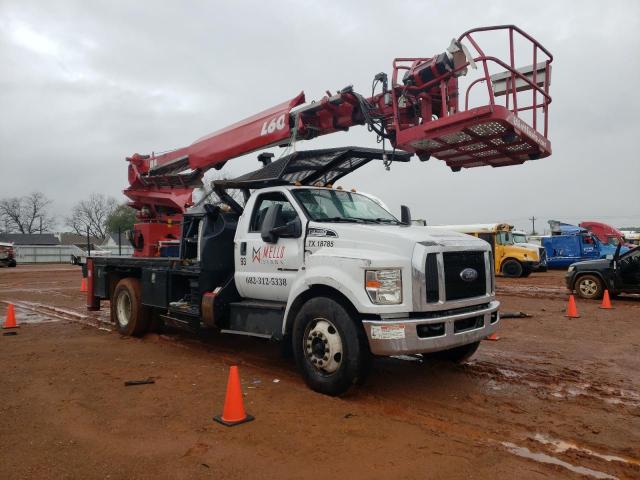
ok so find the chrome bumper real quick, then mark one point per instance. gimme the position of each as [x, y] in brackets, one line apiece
[400, 336]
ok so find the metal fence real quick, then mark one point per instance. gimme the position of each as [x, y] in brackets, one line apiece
[58, 253]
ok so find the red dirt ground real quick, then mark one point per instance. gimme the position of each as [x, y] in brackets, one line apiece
[553, 398]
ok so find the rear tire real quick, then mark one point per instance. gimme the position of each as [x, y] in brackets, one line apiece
[12, 263]
[127, 312]
[512, 268]
[330, 348]
[456, 355]
[589, 287]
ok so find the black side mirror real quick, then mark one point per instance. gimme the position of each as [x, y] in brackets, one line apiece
[269, 223]
[405, 215]
[270, 232]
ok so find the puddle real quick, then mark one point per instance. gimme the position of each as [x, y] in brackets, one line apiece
[560, 446]
[27, 316]
[31, 312]
[544, 458]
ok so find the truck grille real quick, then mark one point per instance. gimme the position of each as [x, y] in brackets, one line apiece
[431, 278]
[457, 284]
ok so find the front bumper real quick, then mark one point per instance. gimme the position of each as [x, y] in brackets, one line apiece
[401, 336]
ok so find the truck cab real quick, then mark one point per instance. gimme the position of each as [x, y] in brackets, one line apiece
[511, 259]
[521, 239]
[563, 250]
[329, 272]
[607, 234]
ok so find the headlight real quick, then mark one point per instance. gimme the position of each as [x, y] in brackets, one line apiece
[571, 268]
[384, 287]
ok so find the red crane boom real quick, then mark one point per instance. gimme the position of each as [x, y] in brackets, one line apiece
[421, 113]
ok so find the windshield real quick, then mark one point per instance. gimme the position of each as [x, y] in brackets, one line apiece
[504, 238]
[325, 205]
[519, 238]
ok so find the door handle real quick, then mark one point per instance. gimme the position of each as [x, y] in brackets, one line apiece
[243, 248]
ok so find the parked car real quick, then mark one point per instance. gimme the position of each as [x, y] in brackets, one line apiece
[7, 257]
[619, 274]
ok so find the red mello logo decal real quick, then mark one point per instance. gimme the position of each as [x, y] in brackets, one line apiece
[267, 254]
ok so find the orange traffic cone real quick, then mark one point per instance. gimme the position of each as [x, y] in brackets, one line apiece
[83, 285]
[606, 301]
[494, 337]
[10, 322]
[572, 310]
[233, 412]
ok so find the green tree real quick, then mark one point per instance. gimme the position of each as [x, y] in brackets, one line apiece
[122, 217]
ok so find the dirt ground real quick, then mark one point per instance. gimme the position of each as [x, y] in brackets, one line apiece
[553, 398]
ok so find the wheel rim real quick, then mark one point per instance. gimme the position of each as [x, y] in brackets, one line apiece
[588, 287]
[123, 308]
[323, 345]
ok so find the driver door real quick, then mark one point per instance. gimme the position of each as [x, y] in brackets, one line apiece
[265, 271]
[629, 271]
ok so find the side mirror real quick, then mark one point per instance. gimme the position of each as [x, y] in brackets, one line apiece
[269, 223]
[270, 232]
[405, 215]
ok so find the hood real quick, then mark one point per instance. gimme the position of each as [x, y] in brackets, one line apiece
[590, 264]
[393, 238]
[535, 246]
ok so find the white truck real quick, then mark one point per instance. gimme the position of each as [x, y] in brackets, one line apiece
[330, 272]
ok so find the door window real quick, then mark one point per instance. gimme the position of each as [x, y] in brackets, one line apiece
[263, 203]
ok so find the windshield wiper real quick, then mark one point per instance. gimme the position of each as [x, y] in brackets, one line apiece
[387, 220]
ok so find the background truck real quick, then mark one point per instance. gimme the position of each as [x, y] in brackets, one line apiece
[607, 234]
[511, 259]
[7, 256]
[563, 250]
[521, 239]
[330, 272]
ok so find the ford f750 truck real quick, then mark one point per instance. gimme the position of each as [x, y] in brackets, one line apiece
[333, 273]
[330, 272]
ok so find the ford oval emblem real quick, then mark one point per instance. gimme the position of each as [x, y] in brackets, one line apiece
[469, 275]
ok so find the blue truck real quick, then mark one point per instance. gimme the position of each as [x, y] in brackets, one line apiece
[570, 244]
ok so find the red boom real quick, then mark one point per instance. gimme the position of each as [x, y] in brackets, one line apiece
[419, 113]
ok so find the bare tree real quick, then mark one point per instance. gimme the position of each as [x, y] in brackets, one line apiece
[28, 214]
[92, 214]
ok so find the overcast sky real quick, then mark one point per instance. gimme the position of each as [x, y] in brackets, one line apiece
[85, 83]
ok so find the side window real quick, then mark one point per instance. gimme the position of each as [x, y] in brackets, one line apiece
[263, 203]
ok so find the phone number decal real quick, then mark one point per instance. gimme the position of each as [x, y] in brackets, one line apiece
[271, 281]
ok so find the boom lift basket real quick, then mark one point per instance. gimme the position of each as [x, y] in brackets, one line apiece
[495, 132]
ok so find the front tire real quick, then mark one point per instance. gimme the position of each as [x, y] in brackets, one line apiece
[589, 287]
[12, 264]
[330, 348]
[127, 312]
[512, 268]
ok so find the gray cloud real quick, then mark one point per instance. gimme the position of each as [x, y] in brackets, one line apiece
[85, 84]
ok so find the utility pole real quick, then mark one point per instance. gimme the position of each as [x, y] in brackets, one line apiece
[533, 225]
